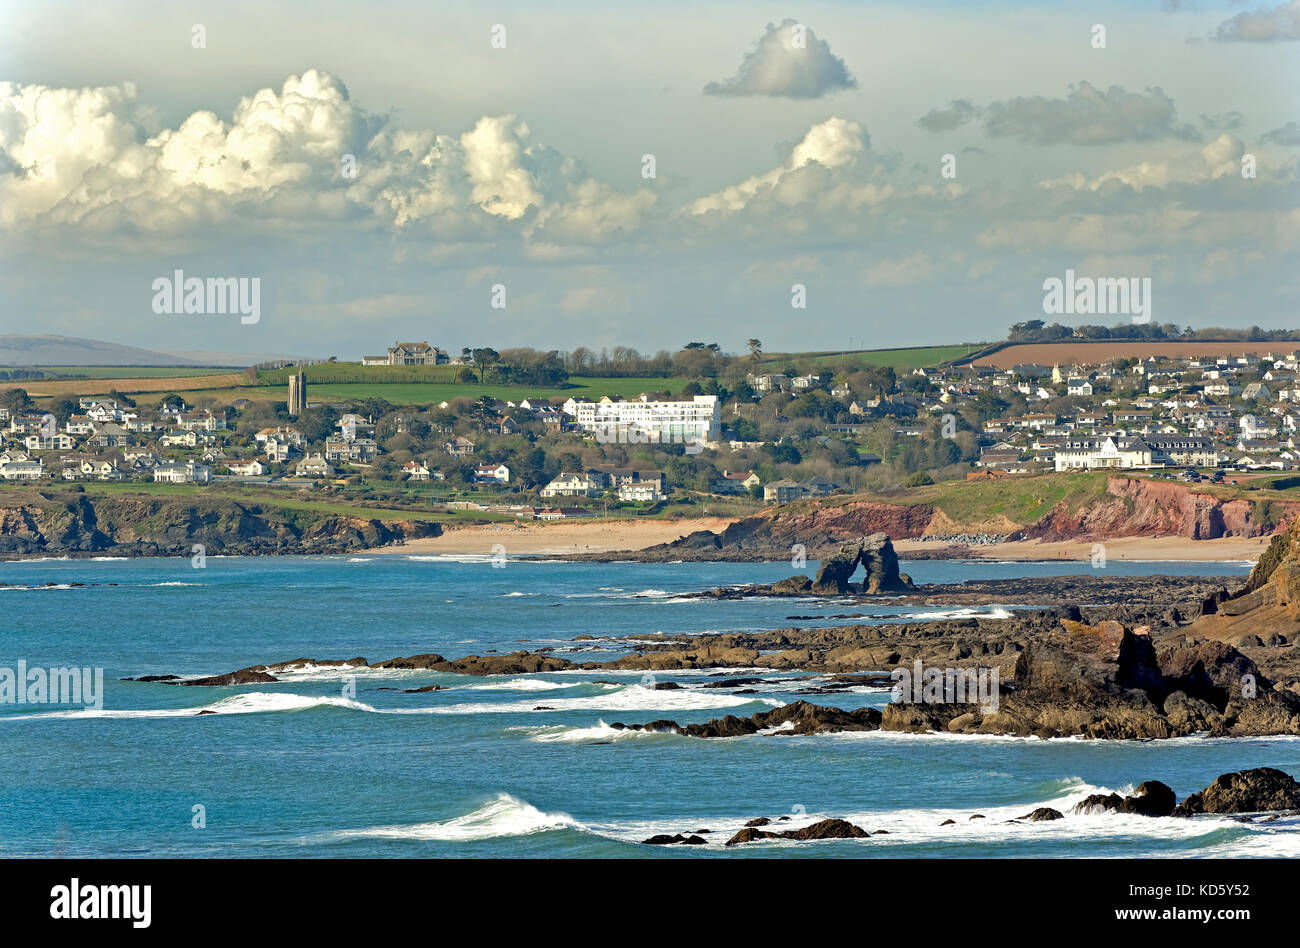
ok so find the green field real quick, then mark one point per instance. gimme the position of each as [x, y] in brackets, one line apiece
[352, 372]
[431, 393]
[915, 358]
[131, 371]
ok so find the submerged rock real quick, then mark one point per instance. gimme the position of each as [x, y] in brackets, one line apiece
[1042, 814]
[662, 839]
[801, 716]
[823, 829]
[245, 676]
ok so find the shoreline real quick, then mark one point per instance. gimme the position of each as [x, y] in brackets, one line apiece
[601, 537]
[622, 536]
[559, 538]
[1146, 549]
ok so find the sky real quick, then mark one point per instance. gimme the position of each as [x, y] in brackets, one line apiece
[644, 175]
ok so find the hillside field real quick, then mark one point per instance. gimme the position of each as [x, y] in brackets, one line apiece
[431, 393]
[1074, 351]
[918, 357]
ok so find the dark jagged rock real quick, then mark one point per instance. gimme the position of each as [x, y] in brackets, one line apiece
[1042, 814]
[1211, 671]
[1151, 798]
[876, 555]
[802, 716]
[823, 829]
[515, 663]
[255, 675]
[1245, 791]
[677, 839]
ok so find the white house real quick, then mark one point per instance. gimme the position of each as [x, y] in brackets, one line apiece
[415, 471]
[56, 442]
[249, 468]
[574, 484]
[1090, 453]
[21, 470]
[176, 472]
[313, 465]
[646, 492]
[492, 473]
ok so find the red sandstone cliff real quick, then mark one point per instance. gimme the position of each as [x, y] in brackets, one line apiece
[1143, 507]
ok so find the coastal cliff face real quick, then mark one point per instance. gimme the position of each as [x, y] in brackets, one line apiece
[53, 523]
[1143, 507]
[1268, 605]
[1129, 506]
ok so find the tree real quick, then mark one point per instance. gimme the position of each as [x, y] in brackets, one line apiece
[16, 400]
[482, 411]
[64, 408]
[481, 359]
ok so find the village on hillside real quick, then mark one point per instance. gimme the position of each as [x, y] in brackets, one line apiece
[736, 429]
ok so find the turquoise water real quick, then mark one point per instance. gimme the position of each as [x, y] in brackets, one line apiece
[307, 768]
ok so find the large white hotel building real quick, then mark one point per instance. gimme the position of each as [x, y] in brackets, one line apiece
[677, 422]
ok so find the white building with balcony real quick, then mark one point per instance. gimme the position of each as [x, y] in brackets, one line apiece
[642, 421]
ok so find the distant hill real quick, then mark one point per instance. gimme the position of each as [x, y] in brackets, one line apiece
[29, 351]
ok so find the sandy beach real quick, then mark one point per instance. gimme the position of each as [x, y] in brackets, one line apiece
[1118, 548]
[573, 536]
[615, 536]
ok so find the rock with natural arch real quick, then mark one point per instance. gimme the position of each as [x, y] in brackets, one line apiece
[876, 555]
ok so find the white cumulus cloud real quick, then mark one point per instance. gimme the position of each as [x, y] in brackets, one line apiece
[788, 60]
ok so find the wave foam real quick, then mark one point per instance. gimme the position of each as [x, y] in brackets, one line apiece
[628, 698]
[255, 702]
[502, 817]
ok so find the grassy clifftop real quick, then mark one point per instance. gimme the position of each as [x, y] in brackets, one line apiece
[59, 521]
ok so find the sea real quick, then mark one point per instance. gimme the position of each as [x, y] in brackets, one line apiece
[344, 762]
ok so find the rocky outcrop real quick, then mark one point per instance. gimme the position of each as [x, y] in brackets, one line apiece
[676, 839]
[1042, 815]
[875, 554]
[514, 663]
[1267, 611]
[1245, 791]
[798, 718]
[68, 522]
[823, 829]
[819, 527]
[245, 676]
[1151, 798]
